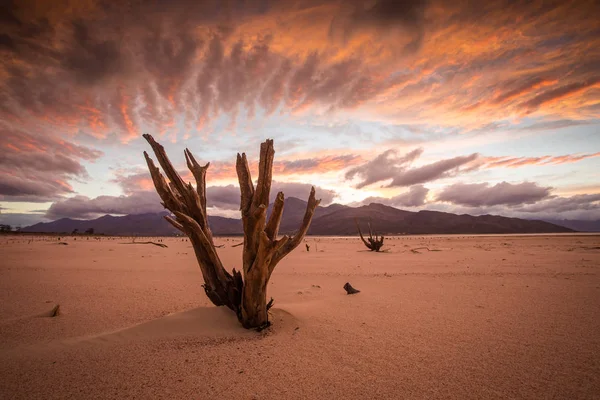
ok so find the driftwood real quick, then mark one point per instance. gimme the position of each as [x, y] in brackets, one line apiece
[55, 312]
[245, 291]
[373, 244]
[154, 243]
[237, 244]
[415, 250]
[349, 289]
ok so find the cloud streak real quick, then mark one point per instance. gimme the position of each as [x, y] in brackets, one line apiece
[516, 162]
[388, 165]
[482, 194]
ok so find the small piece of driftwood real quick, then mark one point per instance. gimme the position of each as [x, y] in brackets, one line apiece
[154, 243]
[55, 312]
[349, 289]
[238, 244]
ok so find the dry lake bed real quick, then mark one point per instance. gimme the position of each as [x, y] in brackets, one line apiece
[452, 317]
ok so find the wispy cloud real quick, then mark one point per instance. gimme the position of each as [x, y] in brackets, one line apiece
[388, 165]
[516, 162]
[482, 194]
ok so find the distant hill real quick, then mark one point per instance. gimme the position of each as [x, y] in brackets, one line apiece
[130, 225]
[335, 219]
[578, 225]
[390, 220]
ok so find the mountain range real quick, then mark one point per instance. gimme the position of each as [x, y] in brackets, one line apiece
[335, 219]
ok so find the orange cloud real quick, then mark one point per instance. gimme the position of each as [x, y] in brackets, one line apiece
[560, 93]
[516, 162]
[447, 63]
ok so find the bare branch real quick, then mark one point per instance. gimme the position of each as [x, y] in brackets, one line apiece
[169, 199]
[265, 171]
[245, 180]
[272, 228]
[199, 173]
[165, 163]
[297, 239]
[176, 224]
[360, 233]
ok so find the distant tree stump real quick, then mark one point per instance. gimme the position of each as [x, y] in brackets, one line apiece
[373, 244]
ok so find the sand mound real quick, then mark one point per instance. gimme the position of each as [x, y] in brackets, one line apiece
[205, 325]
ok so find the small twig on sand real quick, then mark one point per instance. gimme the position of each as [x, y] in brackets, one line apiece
[421, 248]
[238, 244]
[154, 243]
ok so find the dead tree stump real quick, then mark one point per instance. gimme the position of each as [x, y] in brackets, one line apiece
[245, 291]
[373, 244]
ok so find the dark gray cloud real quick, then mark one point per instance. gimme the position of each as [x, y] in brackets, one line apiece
[581, 202]
[32, 188]
[223, 197]
[579, 207]
[504, 193]
[91, 58]
[83, 207]
[406, 18]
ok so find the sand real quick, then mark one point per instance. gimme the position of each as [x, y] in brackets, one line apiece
[470, 318]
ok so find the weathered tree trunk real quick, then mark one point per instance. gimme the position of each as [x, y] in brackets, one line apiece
[373, 244]
[244, 292]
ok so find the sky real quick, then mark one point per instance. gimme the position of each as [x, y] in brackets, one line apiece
[456, 106]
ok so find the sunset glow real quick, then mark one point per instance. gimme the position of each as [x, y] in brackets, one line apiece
[443, 105]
